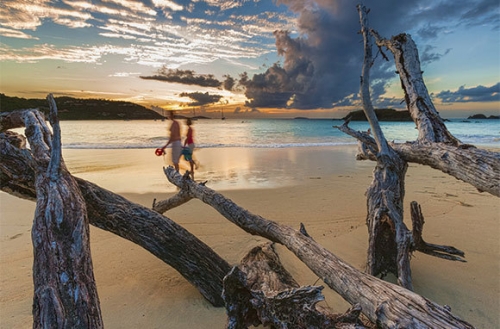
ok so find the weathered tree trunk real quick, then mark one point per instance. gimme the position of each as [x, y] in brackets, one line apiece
[477, 167]
[165, 239]
[65, 294]
[445, 252]
[389, 239]
[430, 126]
[261, 291]
[480, 168]
[386, 304]
[334, 272]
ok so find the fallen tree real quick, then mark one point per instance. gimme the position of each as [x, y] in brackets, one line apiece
[157, 234]
[386, 304]
[65, 293]
[164, 238]
[261, 291]
[390, 241]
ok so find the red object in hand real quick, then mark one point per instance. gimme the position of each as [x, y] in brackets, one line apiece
[159, 152]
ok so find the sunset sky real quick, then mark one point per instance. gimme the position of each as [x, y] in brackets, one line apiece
[255, 57]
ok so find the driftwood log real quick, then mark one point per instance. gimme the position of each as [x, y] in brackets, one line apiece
[164, 238]
[261, 291]
[388, 305]
[477, 167]
[154, 232]
[436, 146]
[390, 241]
[65, 293]
[389, 238]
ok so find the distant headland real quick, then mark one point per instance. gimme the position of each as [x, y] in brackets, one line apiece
[101, 109]
[382, 115]
[482, 116]
[82, 109]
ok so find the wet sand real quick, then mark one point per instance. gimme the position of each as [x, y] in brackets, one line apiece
[320, 187]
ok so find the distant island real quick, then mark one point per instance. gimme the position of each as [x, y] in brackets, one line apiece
[82, 109]
[382, 115]
[482, 116]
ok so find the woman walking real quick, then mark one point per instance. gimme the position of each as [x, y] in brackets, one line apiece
[189, 142]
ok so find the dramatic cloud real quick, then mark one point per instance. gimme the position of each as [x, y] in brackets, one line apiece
[321, 65]
[297, 53]
[201, 99]
[187, 77]
[474, 94]
[229, 83]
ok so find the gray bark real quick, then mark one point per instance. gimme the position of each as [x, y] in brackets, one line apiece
[477, 167]
[65, 294]
[386, 304]
[430, 126]
[389, 239]
[261, 291]
[161, 236]
[445, 252]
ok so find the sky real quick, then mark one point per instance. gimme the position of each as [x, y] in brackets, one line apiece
[281, 58]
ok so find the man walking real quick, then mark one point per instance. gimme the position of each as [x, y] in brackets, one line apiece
[175, 140]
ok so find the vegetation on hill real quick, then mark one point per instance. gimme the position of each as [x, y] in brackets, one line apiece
[82, 109]
[482, 116]
[382, 115]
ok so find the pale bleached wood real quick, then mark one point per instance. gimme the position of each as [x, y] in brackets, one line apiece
[390, 240]
[65, 293]
[161, 236]
[388, 305]
[431, 127]
[261, 291]
[475, 166]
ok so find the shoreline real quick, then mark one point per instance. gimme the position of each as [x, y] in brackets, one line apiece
[223, 169]
[320, 187]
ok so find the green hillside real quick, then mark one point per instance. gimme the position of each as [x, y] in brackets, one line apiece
[82, 109]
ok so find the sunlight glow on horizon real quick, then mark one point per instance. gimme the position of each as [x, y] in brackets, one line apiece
[101, 49]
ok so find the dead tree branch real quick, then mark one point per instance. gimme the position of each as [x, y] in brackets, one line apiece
[389, 239]
[261, 291]
[386, 304]
[164, 238]
[471, 165]
[65, 293]
[445, 252]
[430, 126]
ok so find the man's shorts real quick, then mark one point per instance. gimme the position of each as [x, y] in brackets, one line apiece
[176, 152]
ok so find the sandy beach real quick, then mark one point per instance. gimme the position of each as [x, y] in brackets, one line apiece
[321, 187]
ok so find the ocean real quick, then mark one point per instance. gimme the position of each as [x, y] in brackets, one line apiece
[257, 133]
[233, 154]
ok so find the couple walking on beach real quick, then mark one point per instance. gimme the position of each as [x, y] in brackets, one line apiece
[175, 141]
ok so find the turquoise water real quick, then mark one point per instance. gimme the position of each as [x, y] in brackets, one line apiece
[261, 133]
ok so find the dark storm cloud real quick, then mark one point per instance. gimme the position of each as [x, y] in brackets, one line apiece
[428, 54]
[201, 99]
[486, 12]
[430, 31]
[229, 82]
[474, 94]
[321, 66]
[187, 77]
[316, 67]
